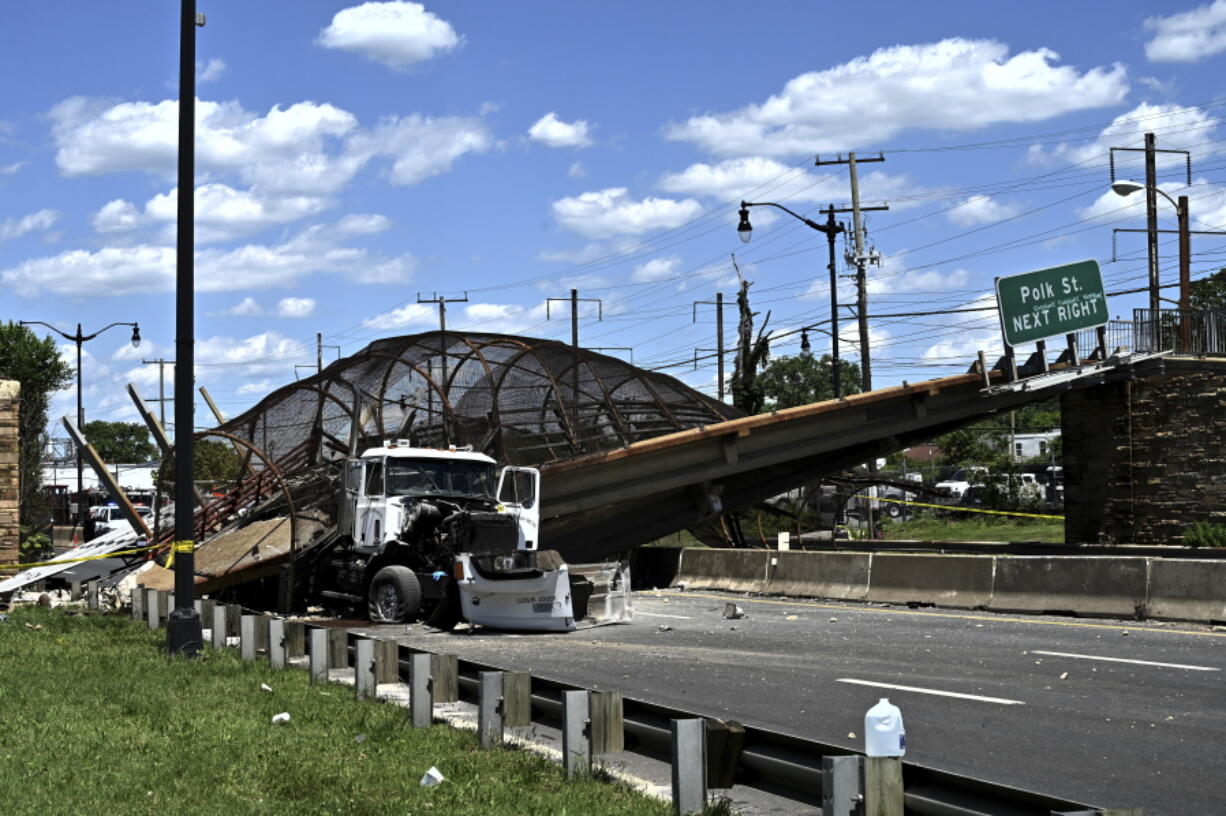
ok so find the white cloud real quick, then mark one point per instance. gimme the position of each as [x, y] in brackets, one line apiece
[981, 209]
[656, 269]
[10, 169]
[1177, 126]
[40, 221]
[306, 149]
[588, 252]
[294, 307]
[393, 270]
[964, 345]
[551, 130]
[421, 146]
[411, 314]
[260, 387]
[610, 212]
[739, 178]
[210, 72]
[395, 34]
[954, 84]
[1188, 36]
[222, 212]
[247, 307]
[267, 353]
[363, 224]
[576, 170]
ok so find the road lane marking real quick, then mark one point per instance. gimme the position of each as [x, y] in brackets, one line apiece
[1000, 618]
[660, 615]
[937, 692]
[1125, 660]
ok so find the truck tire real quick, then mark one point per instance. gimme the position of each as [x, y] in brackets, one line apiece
[394, 596]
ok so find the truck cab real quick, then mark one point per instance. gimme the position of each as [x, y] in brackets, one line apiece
[420, 527]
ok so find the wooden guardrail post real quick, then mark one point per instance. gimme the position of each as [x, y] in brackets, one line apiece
[295, 640]
[138, 603]
[608, 729]
[247, 637]
[421, 690]
[387, 662]
[689, 766]
[883, 786]
[576, 748]
[319, 655]
[841, 778]
[219, 632]
[489, 709]
[516, 699]
[91, 595]
[446, 672]
[364, 668]
[153, 603]
[338, 649]
[276, 643]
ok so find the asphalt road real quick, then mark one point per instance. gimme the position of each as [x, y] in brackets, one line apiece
[1047, 705]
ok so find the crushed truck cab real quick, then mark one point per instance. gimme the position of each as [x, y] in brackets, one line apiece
[441, 535]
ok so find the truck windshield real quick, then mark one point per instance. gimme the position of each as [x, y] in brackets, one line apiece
[407, 477]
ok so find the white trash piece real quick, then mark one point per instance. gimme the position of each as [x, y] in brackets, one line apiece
[265, 687]
[431, 778]
[884, 735]
[281, 718]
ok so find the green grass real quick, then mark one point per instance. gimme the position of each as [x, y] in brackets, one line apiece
[96, 720]
[980, 529]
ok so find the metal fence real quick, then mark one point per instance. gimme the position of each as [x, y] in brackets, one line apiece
[1192, 332]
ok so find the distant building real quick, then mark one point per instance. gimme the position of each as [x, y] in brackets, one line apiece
[1032, 445]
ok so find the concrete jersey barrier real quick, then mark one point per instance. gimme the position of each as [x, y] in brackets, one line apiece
[1187, 590]
[837, 575]
[959, 581]
[732, 570]
[1090, 585]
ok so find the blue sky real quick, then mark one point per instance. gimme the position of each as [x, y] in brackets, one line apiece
[351, 156]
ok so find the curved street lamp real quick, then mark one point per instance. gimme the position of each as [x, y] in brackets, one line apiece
[80, 338]
[1124, 187]
[831, 228]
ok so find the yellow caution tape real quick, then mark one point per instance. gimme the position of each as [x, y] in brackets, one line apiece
[82, 558]
[961, 509]
[184, 546]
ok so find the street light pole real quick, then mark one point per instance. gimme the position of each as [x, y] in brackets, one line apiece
[1126, 188]
[183, 631]
[80, 339]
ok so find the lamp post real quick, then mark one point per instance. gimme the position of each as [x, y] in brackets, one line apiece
[831, 228]
[79, 339]
[1124, 187]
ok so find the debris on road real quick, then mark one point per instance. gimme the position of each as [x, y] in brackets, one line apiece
[792, 617]
[733, 612]
[664, 627]
[1064, 676]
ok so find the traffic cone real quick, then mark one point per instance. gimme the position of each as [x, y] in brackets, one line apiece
[76, 537]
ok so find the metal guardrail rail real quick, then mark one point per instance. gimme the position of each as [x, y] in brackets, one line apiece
[770, 761]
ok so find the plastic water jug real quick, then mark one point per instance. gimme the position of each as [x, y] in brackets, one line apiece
[884, 735]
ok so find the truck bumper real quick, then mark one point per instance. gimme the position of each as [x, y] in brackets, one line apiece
[540, 603]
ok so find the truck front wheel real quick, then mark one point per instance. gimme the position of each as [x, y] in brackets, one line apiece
[395, 596]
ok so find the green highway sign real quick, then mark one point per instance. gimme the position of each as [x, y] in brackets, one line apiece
[1047, 302]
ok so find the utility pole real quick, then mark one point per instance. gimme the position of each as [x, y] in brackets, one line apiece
[866, 370]
[718, 303]
[183, 630]
[157, 494]
[442, 302]
[319, 352]
[574, 300]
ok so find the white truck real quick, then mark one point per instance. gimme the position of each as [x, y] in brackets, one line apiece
[441, 535]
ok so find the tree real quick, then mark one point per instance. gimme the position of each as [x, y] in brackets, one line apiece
[1209, 293]
[36, 364]
[800, 380]
[751, 355]
[126, 442]
[215, 462]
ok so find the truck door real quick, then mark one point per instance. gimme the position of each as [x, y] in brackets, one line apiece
[346, 521]
[370, 505]
[519, 491]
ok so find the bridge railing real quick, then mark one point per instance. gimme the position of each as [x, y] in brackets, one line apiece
[1193, 332]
